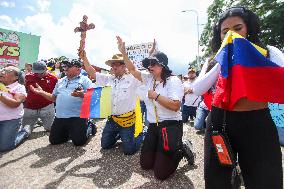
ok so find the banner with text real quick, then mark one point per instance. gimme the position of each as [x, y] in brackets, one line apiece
[18, 48]
[138, 52]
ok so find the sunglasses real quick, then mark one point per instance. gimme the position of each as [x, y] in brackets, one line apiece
[153, 62]
[232, 11]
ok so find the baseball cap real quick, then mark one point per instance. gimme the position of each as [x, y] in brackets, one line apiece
[70, 63]
[39, 66]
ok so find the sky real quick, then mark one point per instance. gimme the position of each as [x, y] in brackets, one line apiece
[135, 21]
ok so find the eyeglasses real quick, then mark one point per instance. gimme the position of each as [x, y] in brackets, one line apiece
[232, 11]
[5, 71]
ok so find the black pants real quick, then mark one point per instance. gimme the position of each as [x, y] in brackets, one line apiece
[253, 138]
[154, 156]
[74, 128]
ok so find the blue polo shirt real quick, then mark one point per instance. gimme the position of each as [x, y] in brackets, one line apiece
[66, 105]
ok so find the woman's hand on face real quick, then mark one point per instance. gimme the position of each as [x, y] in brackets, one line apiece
[152, 94]
[121, 45]
[37, 89]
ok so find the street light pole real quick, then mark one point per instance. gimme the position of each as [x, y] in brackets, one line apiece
[197, 24]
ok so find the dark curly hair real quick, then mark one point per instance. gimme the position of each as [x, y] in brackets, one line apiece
[250, 19]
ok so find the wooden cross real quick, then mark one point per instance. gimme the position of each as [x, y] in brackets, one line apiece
[83, 28]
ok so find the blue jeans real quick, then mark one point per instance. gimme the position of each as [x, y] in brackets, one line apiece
[201, 114]
[10, 136]
[130, 144]
[188, 112]
[144, 113]
[281, 135]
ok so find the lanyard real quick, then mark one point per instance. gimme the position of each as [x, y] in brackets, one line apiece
[155, 107]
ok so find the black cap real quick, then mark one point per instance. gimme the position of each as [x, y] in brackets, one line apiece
[71, 63]
[158, 56]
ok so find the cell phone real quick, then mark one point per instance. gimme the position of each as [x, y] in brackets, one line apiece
[78, 88]
[223, 149]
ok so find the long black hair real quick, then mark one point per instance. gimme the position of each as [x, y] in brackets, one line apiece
[166, 73]
[250, 19]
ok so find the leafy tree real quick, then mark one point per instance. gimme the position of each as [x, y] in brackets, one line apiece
[270, 13]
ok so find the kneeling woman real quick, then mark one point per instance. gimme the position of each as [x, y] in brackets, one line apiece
[163, 148]
[12, 97]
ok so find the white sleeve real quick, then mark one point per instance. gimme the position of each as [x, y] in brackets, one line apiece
[204, 82]
[276, 55]
[102, 79]
[204, 68]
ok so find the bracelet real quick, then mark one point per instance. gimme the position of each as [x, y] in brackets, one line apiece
[157, 97]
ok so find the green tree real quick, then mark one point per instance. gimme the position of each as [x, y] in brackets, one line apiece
[270, 13]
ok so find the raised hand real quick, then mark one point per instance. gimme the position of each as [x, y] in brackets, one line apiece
[37, 89]
[82, 54]
[153, 49]
[120, 45]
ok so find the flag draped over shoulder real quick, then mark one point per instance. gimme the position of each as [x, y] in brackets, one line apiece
[246, 72]
[96, 103]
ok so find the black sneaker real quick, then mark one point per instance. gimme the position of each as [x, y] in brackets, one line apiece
[188, 151]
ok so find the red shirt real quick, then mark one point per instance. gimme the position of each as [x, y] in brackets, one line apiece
[47, 83]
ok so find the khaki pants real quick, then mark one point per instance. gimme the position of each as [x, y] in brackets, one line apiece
[46, 114]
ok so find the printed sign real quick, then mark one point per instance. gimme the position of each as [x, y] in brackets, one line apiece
[277, 113]
[138, 52]
[18, 48]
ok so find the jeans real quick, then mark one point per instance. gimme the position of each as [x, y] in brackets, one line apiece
[199, 122]
[46, 114]
[281, 135]
[188, 112]
[10, 136]
[130, 144]
[144, 116]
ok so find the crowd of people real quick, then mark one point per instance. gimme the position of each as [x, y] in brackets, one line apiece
[55, 97]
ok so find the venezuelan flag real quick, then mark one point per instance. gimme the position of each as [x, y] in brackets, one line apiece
[246, 72]
[96, 103]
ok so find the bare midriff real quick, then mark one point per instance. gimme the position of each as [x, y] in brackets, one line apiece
[247, 105]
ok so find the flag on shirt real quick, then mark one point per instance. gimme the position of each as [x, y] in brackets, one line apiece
[96, 103]
[246, 72]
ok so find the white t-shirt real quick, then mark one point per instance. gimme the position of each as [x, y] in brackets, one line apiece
[173, 90]
[190, 99]
[123, 95]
